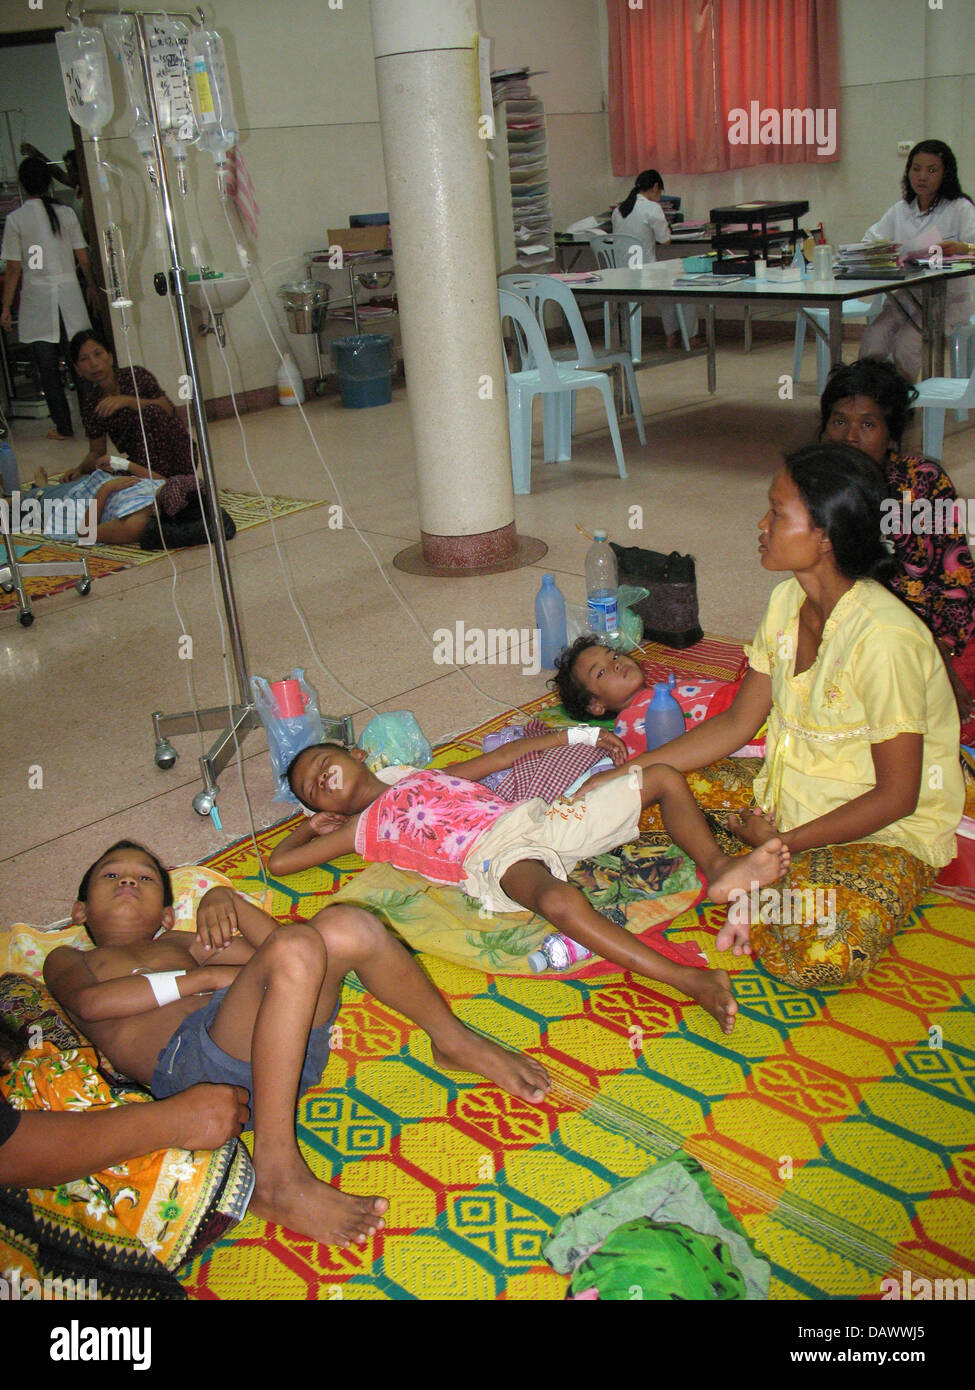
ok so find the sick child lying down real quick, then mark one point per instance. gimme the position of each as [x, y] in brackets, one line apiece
[444, 826]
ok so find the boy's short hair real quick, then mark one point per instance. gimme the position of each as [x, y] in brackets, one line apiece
[573, 694]
[289, 774]
[167, 882]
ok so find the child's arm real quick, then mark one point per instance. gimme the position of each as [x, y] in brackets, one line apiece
[221, 912]
[70, 979]
[305, 847]
[475, 769]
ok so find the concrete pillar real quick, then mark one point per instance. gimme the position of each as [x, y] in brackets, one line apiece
[440, 213]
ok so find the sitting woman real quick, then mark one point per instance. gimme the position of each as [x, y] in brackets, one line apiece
[861, 777]
[128, 405]
[867, 405]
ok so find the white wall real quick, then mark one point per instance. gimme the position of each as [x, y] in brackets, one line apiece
[31, 71]
[303, 80]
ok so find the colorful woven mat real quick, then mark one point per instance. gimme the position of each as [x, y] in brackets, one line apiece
[840, 1127]
[247, 509]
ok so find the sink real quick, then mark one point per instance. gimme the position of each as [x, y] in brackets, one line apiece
[223, 292]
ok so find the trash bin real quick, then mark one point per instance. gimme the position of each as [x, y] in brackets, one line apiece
[365, 369]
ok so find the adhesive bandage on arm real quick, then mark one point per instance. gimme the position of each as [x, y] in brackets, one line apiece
[584, 733]
[163, 985]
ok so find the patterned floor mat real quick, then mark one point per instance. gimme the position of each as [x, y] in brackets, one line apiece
[840, 1126]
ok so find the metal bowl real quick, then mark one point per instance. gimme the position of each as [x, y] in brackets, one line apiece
[374, 279]
[305, 303]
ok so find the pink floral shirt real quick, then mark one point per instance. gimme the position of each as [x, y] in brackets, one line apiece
[428, 823]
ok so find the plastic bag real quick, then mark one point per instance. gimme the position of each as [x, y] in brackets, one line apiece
[287, 737]
[394, 738]
[631, 624]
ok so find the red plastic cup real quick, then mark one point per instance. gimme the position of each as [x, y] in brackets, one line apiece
[289, 698]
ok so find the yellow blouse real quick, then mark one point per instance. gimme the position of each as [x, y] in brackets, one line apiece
[877, 674]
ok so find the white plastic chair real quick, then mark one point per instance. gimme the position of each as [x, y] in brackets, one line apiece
[540, 290]
[612, 252]
[936, 397]
[961, 354]
[546, 378]
[866, 309]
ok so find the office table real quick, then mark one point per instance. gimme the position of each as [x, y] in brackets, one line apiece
[927, 288]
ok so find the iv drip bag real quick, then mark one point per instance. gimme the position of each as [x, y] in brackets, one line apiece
[122, 36]
[211, 93]
[87, 84]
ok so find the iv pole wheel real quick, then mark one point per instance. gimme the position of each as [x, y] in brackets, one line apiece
[25, 619]
[83, 586]
[166, 754]
[321, 386]
[204, 801]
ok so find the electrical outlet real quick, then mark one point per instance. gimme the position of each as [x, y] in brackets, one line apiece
[905, 146]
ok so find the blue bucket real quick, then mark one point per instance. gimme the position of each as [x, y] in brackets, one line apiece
[365, 369]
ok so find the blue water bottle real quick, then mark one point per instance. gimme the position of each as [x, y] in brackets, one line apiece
[664, 719]
[550, 621]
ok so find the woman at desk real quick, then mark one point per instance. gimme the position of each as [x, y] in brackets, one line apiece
[640, 215]
[934, 211]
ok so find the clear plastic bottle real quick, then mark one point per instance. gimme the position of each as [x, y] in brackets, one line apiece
[550, 621]
[557, 952]
[602, 587]
[212, 101]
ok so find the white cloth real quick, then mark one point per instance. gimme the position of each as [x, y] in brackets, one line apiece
[914, 230]
[53, 289]
[648, 223]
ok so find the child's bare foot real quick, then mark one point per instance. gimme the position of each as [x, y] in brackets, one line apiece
[56, 434]
[40, 477]
[520, 1075]
[712, 988]
[762, 866]
[297, 1199]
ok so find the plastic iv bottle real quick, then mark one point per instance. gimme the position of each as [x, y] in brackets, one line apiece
[557, 952]
[550, 621]
[212, 101]
[87, 84]
[602, 584]
[664, 719]
[171, 86]
[121, 34]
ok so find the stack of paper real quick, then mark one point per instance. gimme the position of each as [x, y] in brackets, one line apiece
[858, 256]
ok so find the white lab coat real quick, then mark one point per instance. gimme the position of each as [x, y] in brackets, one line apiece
[914, 230]
[648, 223]
[54, 288]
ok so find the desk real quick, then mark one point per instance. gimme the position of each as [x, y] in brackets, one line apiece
[656, 282]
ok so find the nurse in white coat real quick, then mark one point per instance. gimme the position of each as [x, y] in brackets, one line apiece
[41, 243]
[640, 215]
[933, 212]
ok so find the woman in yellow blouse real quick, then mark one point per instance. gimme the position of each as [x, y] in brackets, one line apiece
[861, 776]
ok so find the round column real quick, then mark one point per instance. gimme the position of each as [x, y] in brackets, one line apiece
[440, 212]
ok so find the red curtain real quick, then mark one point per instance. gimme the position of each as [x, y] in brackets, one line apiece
[698, 86]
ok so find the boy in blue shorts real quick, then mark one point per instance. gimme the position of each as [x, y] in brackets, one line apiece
[172, 1009]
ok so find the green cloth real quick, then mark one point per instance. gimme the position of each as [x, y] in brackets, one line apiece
[647, 1229]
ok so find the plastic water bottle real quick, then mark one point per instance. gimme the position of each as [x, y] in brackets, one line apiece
[557, 952]
[291, 387]
[550, 621]
[9, 471]
[664, 719]
[602, 586]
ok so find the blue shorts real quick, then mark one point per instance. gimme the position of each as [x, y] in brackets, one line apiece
[191, 1056]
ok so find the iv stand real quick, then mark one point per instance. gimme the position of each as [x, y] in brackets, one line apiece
[235, 720]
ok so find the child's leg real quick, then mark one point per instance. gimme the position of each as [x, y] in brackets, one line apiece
[530, 883]
[686, 826]
[356, 940]
[282, 993]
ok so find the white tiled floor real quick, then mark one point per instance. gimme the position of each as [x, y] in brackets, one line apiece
[78, 687]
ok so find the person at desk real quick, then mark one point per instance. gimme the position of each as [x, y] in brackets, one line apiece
[934, 211]
[640, 215]
[41, 243]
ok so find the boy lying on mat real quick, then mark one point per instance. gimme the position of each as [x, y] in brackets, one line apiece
[171, 1009]
[442, 825]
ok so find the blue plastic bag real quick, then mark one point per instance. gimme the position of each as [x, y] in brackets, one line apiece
[287, 737]
[394, 738]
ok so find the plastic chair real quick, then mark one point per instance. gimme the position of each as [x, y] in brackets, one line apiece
[961, 354]
[866, 309]
[546, 378]
[612, 252]
[936, 397]
[540, 290]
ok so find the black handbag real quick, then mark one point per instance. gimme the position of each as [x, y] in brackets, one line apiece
[186, 528]
[670, 613]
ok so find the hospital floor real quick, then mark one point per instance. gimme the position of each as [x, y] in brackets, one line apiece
[77, 689]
